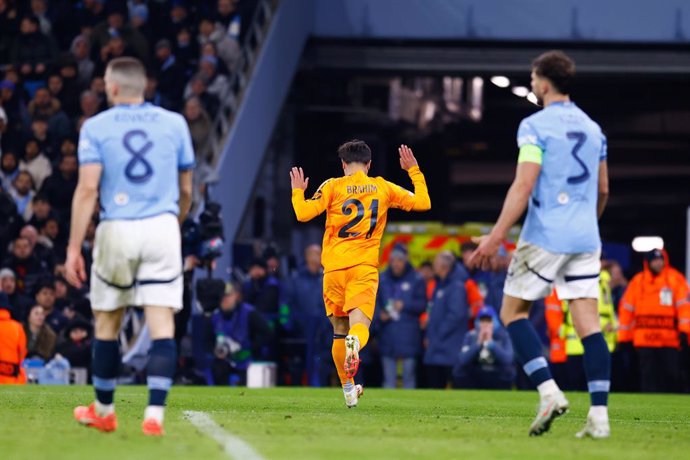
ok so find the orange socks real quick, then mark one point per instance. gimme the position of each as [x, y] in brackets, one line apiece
[362, 333]
[338, 351]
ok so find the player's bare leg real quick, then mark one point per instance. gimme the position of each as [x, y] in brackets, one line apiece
[161, 366]
[106, 362]
[528, 349]
[597, 363]
[352, 392]
[357, 338]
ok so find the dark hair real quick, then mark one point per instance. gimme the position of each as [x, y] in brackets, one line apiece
[468, 246]
[44, 283]
[40, 197]
[355, 151]
[426, 263]
[557, 67]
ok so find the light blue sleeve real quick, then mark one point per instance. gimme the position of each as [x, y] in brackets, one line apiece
[604, 148]
[528, 135]
[88, 150]
[185, 155]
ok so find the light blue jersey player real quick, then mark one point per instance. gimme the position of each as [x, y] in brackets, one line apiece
[136, 161]
[562, 180]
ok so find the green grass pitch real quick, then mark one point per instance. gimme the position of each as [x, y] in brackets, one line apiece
[285, 423]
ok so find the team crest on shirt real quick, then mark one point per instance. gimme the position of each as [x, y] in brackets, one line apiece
[121, 199]
[563, 198]
[439, 294]
[84, 144]
[405, 286]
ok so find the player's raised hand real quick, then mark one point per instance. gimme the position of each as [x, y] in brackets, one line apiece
[407, 159]
[484, 257]
[75, 269]
[297, 179]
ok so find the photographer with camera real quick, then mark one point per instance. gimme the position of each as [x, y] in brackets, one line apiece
[237, 335]
[486, 357]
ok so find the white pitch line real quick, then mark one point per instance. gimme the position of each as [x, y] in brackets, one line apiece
[232, 445]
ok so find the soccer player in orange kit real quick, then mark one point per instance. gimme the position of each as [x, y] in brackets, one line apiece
[356, 208]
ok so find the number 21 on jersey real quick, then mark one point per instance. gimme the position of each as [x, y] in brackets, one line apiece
[354, 205]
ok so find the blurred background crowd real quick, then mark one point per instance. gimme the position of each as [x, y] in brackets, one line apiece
[437, 323]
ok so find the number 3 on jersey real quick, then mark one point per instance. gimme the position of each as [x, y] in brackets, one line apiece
[349, 207]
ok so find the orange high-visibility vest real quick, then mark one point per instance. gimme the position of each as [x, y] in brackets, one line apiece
[655, 308]
[12, 350]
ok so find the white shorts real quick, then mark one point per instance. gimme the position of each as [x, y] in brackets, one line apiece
[136, 263]
[533, 271]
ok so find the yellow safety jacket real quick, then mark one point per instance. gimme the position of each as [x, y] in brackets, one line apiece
[607, 317]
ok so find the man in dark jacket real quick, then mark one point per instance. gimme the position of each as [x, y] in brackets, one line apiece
[33, 51]
[401, 300]
[486, 357]
[448, 320]
[262, 290]
[60, 186]
[305, 298]
[19, 303]
[170, 75]
[26, 266]
[238, 335]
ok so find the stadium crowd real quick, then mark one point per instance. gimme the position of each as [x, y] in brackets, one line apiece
[437, 325]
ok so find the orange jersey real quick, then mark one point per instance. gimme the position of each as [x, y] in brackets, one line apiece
[356, 211]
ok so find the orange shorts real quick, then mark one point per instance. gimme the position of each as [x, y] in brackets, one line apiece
[351, 288]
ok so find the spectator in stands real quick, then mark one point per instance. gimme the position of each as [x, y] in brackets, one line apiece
[489, 283]
[9, 28]
[9, 168]
[41, 210]
[76, 346]
[10, 221]
[45, 297]
[305, 298]
[22, 192]
[98, 87]
[139, 20]
[39, 132]
[35, 163]
[224, 46]
[81, 51]
[115, 47]
[67, 95]
[114, 26]
[216, 84]
[238, 334]
[39, 9]
[33, 52]
[12, 346]
[448, 321]
[90, 13]
[26, 266]
[19, 303]
[89, 103]
[187, 51]
[486, 356]
[261, 289]
[60, 186]
[197, 87]
[13, 105]
[401, 300]
[228, 17]
[178, 18]
[40, 337]
[49, 234]
[655, 320]
[46, 107]
[3, 124]
[43, 253]
[200, 127]
[170, 76]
